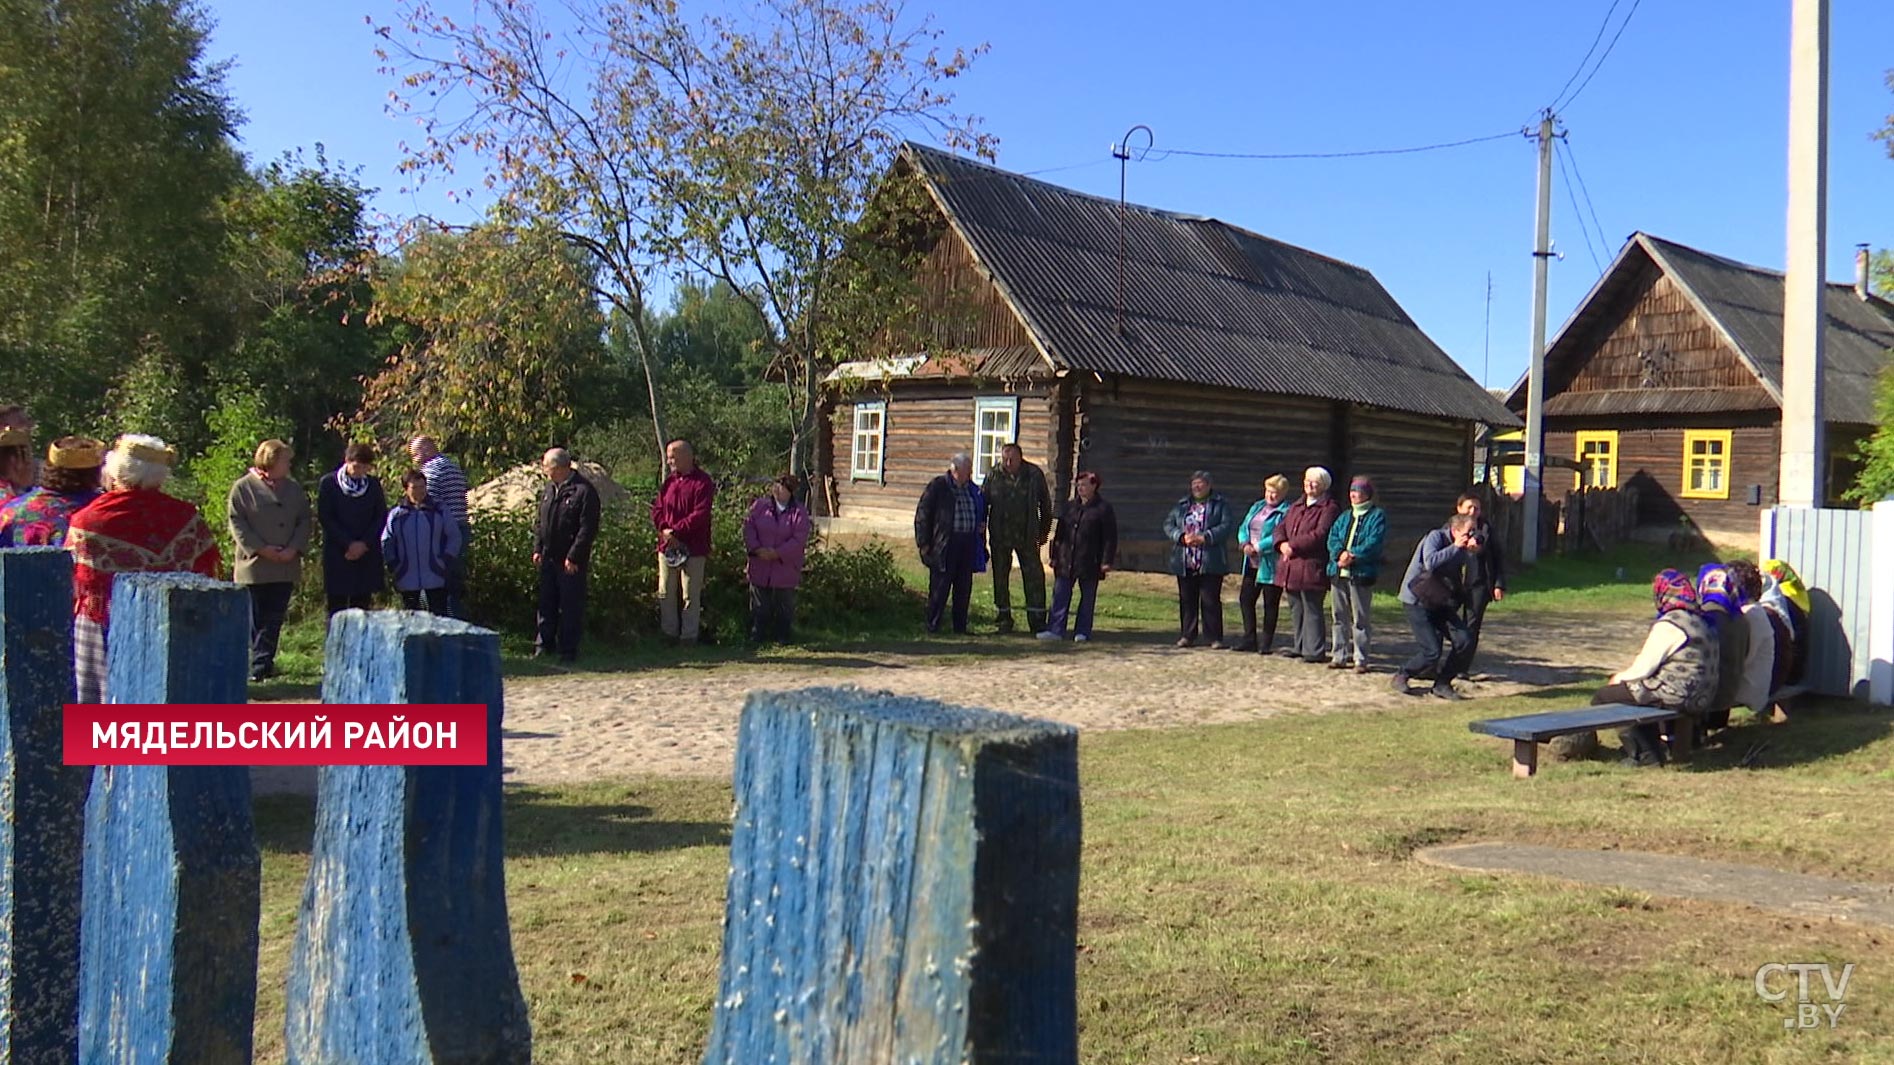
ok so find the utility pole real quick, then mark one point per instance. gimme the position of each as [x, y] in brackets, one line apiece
[1535, 371]
[1802, 470]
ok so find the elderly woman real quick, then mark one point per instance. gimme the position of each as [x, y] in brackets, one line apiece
[1256, 536]
[352, 508]
[1302, 568]
[1197, 528]
[1084, 549]
[133, 528]
[1355, 545]
[269, 522]
[776, 536]
[1676, 670]
[41, 516]
[1768, 642]
[1721, 603]
[16, 460]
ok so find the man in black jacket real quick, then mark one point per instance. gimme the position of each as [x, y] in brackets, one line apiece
[947, 531]
[562, 551]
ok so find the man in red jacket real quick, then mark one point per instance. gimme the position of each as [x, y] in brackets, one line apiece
[681, 515]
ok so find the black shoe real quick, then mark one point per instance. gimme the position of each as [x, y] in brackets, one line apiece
[1005, 624]
[1243, 645]
[1399, 682]
[1447, 693]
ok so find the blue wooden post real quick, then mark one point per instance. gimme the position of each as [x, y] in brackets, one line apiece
[172, 875]
[42, 812]
[403, 953]
[903, 885]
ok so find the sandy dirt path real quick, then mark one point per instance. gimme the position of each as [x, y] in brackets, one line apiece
[681, 720]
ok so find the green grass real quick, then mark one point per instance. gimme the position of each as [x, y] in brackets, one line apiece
[1249, 894]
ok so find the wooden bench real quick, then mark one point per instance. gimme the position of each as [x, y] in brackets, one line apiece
[1530, 730]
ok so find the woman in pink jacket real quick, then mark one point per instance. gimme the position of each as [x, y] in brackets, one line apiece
[776, 534]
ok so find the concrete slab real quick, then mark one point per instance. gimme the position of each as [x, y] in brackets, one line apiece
[1794, 894]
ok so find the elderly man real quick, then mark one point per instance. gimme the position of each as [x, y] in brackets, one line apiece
[948, 526]
[681, 515]
[562, 552]
[447, 487]
[1019, 521]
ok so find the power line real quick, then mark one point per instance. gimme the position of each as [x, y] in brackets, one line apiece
[1580, 68]
[1068, 166]
[1573, 197]
[1569, 100]
[1165, 153]
[1580, 175]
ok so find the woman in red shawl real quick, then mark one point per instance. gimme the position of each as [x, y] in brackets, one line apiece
[133, 528]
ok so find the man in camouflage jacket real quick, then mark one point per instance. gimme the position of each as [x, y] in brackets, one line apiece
[1019, 521]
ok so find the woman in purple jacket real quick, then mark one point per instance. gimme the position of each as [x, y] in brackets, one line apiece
[776, 534]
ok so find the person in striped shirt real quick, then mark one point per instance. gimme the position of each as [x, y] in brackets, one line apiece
[447, 488]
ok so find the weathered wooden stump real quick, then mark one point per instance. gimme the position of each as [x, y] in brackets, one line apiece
[42, 812]
[172, 875]
[903, 885]
[403, 952]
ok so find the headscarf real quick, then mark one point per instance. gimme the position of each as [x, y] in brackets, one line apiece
[1717, 595]
[1673, 591]
[1366, 488]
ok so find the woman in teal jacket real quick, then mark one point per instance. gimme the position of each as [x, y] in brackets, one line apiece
[1256, 536]
[1355, 545]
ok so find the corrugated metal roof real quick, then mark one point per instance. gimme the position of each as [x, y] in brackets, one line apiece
[1205, 302]
[1660, 401]
[1744, 303]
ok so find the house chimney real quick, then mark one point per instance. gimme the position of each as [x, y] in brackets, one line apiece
[1863, 287]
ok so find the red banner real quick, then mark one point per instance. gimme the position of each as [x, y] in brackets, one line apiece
[276, 734]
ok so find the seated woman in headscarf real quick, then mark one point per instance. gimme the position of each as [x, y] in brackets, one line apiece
[1722, 606]
[1676, 670]
[1783, 594]
[1769, 643]
[133, 528]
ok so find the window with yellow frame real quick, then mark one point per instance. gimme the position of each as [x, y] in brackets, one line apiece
[1707, 463]
[1597, 455]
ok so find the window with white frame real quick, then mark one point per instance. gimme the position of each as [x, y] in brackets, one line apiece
[995, 423]
[871, 424]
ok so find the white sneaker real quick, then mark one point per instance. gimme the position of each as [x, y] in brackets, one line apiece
[1081, 638]
[1049, 635]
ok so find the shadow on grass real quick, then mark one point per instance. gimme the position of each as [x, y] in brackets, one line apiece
[1817, 730]
[537, 826]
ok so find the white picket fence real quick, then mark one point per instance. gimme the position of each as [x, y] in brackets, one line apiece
[1846, 560]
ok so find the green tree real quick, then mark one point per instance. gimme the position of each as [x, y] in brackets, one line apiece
[114, 157]
[739, 148]
[298, 251]
[501, 346]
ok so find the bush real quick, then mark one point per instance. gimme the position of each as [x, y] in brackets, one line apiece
[842, 589]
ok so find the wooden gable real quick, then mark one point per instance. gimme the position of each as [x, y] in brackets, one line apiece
[1660, 341]
[964, 308]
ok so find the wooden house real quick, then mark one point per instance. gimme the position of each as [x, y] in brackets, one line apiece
[1227, 352]
[1668, 377]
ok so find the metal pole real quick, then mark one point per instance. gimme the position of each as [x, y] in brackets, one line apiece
[1802, 468]
[1535, 373]
[1122, 152]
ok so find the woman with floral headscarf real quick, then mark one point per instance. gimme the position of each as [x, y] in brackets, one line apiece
[1722, 604]
[1676, 670]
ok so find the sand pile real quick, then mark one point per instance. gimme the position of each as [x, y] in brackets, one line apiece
[518, 488]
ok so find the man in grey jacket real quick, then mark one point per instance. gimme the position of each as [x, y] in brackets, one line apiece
[1431, 595]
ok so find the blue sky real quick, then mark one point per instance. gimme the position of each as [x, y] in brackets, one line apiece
[1682, 133]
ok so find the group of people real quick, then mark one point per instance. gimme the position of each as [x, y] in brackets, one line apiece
[1732, 636]
[1298, 549]
[107, 506]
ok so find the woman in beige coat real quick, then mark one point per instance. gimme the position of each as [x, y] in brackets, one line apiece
[269, 522]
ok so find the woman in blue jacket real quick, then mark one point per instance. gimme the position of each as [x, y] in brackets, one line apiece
[1256, 537]
[1355, 545]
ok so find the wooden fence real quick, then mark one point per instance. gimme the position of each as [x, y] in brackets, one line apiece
[1593, 519]
[903, 884]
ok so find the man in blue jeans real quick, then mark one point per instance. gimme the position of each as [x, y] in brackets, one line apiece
[1433, 609]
